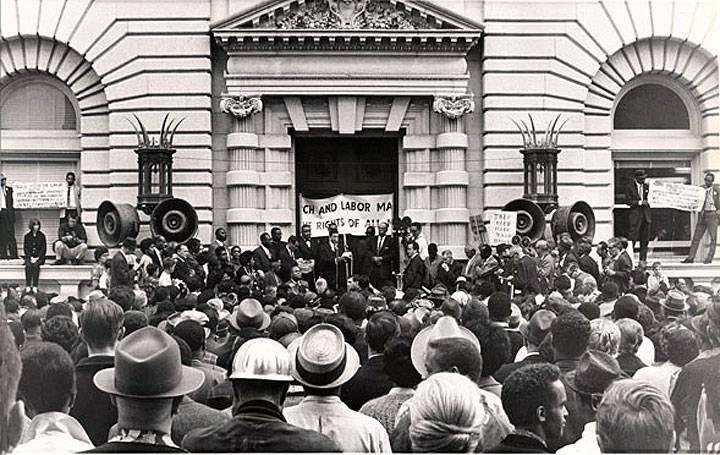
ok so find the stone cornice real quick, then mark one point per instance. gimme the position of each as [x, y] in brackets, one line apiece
[445, 41]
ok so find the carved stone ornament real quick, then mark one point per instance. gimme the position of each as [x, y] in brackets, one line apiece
[454, 107]
[241, 106]
[350, 14]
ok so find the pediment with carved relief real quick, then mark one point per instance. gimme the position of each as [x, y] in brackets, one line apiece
[347, 14]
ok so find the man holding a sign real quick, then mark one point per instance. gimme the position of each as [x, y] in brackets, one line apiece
[707, 220]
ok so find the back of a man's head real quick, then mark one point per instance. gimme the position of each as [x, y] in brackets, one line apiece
[100, 324]
[635, 416]
[570, 334]
[380, 328]
[11, 420]
[123, 296]
[44, 364]
[192, 333]
[456, 354]
[499, 306]
[31, 320]
[354, 305]
[525, 390]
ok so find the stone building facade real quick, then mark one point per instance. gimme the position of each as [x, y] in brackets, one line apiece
[433, 85]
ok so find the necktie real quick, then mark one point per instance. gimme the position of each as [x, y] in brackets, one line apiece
[380, 242]
[68, 197]
[640, 191]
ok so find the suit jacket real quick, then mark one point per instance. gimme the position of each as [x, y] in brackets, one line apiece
[305, 251]
[92, 407]
[589, 265]
[623, 269]
[262, 261]
[369, 382]
[287, 261]
[35, 247]
[9, 203]
[120, 272]
[414, 274]
[325, 264]
[388, 252]
[637, 211]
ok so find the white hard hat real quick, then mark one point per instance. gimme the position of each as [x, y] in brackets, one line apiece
[262, 359]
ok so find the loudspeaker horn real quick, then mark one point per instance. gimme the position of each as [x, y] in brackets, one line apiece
[530, 218]
[578, 220]
[175, 219]
[116, 222]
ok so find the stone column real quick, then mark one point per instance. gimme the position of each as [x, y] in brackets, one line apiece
[243, 177]
[451, 177]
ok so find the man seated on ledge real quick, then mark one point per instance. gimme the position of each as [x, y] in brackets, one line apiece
[72, 243]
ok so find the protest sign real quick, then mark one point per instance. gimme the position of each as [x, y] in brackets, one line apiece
[351, 213]
[502, 227]
[671, 195]
[42, 195]
[477, 227]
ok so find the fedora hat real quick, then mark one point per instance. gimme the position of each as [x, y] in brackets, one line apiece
[147, 365]
[322, 359]
[594, 373]
[445, 327]
[675, 301]
[249, 314]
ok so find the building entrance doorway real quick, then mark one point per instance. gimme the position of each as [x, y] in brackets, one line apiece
[327, 166]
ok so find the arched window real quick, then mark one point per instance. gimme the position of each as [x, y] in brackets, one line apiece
[37, 106]
[651, 107]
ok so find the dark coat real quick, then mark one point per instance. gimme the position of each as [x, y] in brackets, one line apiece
[262, 261]
[92, 407]
[369, 382]
[77, 231]
[589, 265]
[526, 278]
[257, 426]
[414, 274]
[35, 246]
[326, 266]
[448, 277]
[306, 251]
[632, 197]
[120, 272]
[623, 271]
[515, 443]
[506, 370]
[9, 204]
[383, 272]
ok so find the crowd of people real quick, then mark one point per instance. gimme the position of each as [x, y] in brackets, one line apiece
[323, 345]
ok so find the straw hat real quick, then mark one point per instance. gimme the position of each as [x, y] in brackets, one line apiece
[249, 314]
[322, 359]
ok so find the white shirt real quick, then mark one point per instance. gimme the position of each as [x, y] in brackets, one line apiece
[165, 279]
[587, 444]
[352, 431]
[2, 198]
[71, 196]
[659, 376]
[423, 246]
[54, 432]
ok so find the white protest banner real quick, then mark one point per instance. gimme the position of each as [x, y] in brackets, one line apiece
[351, 213]
[502, 227]
[43, 195]
[671, 195]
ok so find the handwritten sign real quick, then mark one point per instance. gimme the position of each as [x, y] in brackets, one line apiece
[42, 195]
[502, 227]
[671, 195]
[351, 213]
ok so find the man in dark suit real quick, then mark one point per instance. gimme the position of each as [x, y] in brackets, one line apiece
[636, 195]
[122, 272]
[585, 261]
[364, 250]
[526, 273]
[382, 263]
[263, 255]
[330, 261]
[371, 380]
[449, 270]
[415, 270]
[708, 219]
[8, 246]
[306, 253]
[620, 267]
